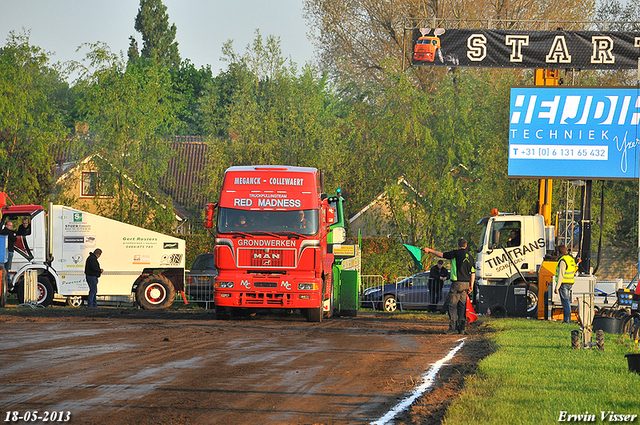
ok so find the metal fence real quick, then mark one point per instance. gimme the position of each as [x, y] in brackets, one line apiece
[199, 290]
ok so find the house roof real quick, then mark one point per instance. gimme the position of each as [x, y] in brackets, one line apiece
[78, 166]
[185, 181]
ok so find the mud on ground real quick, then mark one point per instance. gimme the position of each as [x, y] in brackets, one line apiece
[181, 366]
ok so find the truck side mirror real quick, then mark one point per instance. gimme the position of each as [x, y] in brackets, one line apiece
[209, 209]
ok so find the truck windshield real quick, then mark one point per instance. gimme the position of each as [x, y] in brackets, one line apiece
[483, 236]
[303, 222]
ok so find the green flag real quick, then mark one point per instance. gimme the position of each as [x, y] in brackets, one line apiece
[416, 255]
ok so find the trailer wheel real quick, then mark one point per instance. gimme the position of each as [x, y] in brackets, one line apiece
[75, 301]
[390, 304]
[155, 292]
[315, 314]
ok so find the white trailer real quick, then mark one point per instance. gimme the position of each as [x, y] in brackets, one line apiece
[136, 261]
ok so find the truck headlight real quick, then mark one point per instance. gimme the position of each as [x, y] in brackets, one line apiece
[306, 286]
[224, 285]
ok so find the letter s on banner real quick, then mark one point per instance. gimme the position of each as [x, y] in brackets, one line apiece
[477, 45]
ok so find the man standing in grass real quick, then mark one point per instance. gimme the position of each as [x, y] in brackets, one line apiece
[463, 274]
[565, 276]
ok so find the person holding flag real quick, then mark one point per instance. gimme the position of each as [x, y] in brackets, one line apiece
[463, 274]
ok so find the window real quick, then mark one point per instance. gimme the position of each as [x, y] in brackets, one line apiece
[89, 184]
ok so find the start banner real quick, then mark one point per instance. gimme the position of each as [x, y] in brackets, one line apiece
[526, 49]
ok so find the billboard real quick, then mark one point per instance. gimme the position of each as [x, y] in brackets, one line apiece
[526, 49]
[576, 133]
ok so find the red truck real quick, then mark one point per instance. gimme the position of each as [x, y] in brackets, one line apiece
[271, 241]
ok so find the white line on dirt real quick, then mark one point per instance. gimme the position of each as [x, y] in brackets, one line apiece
[428, 379]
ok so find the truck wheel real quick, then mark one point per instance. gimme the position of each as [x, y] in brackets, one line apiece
[315, 314]
[4, 288]
[75, 301]
[222, 313]
[45, 291]
[439, 55]
[155, 292]
[390, 304]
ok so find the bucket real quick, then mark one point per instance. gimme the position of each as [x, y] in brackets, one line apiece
[607, 324]
[633, 359]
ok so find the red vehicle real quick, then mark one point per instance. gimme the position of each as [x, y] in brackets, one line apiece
[271, 241]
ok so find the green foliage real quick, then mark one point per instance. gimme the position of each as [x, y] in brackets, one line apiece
[127, 111]
[158, 38]
[269, 113]
[535, 374]
[386, 257]
[33, 102]
[196, 245]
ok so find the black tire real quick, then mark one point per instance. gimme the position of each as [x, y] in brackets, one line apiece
[626, 320]
[155, 292]
[498, 311]
[600, 339]
[575, 339]
[633, 324]
[315, 314]
[222, 313]
[4, 288]
[621, 312]
[45, 291]
[390, 304]
[74, 301]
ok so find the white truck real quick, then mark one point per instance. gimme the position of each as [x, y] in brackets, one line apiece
[511, 252]
[136, 261]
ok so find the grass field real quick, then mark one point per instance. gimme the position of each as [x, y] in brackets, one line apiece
[534, 375]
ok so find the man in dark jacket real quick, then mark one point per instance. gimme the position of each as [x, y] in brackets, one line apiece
[11, 239]
[463, 274]
[437, 275]
[92, 272]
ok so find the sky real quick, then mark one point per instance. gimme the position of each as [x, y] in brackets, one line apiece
[203, 26]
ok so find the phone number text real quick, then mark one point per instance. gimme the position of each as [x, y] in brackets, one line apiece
[589, 153]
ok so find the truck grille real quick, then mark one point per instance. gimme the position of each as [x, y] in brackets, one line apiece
[260, 298]
[266, 258]
[265, 284]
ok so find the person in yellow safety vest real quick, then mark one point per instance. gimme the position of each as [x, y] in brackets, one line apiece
[565, 276]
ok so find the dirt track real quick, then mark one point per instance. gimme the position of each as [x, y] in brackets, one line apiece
[127, 366]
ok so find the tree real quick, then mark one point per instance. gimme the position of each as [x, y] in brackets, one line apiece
[127, 111]
[355, 38]
[271, 113]
[32, 111]
[158, 38]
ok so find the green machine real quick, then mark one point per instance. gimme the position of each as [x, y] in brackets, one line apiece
[346, 264]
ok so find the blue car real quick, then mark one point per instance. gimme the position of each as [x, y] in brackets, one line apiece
[411, 293]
